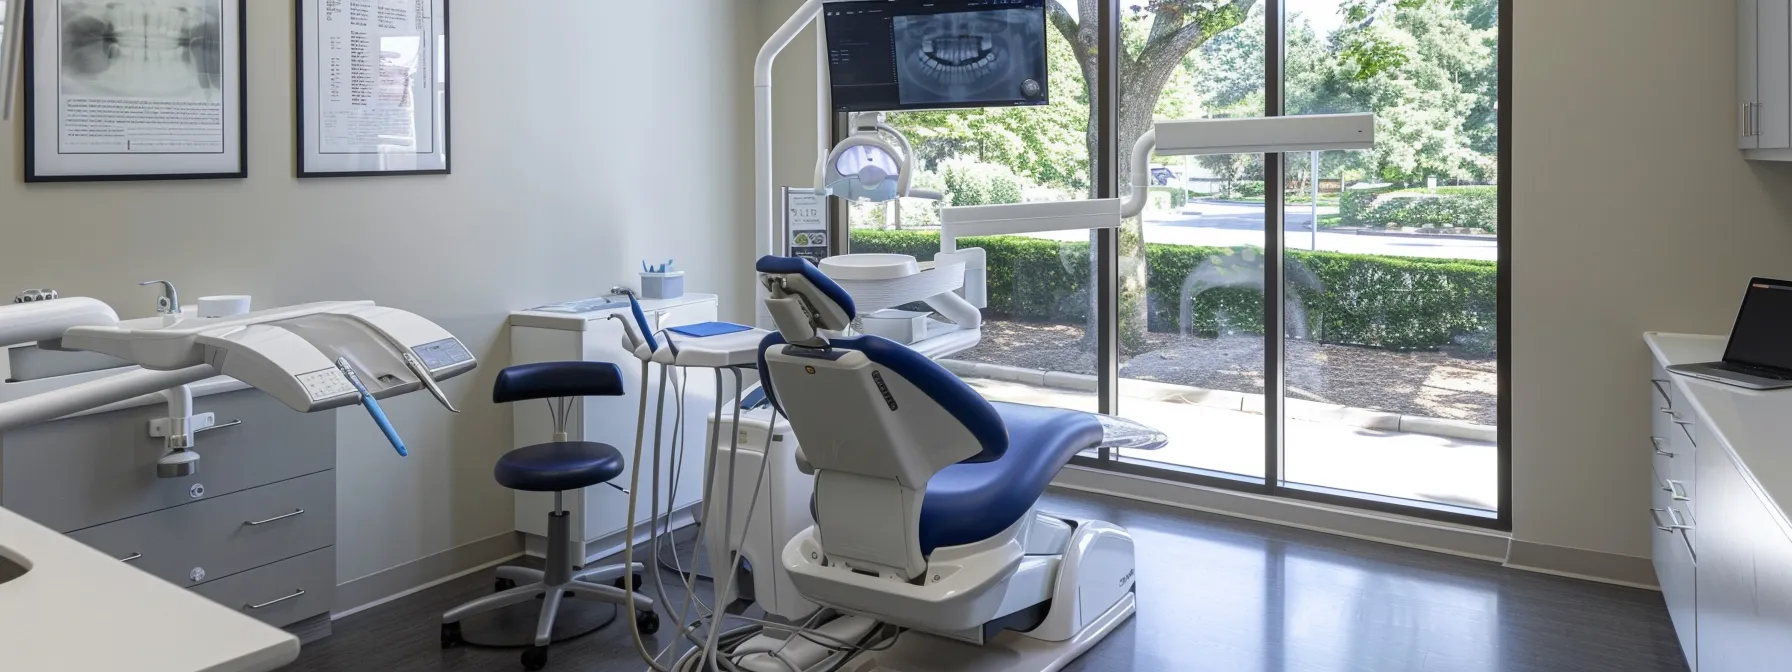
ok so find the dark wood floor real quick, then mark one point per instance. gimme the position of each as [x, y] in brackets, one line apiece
[1215, 593]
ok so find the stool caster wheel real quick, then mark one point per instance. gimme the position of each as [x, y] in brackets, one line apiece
[502, 585]
[623, 582]
[648, 622]
[535, 658]
[451, 635]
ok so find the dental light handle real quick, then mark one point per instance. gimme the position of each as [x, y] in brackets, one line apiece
[373, 408]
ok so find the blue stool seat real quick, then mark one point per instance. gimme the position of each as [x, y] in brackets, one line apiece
[972, 501]
[554, 467]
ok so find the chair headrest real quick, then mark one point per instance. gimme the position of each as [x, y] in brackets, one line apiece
[824, 303]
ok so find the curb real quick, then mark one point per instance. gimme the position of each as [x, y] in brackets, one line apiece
[1298, 409]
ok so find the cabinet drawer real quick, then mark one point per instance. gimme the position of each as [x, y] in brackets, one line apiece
[1665, 459]
[216, 538]
[1663, 394]
[1675, 569]
[80, 472]
[283, 593]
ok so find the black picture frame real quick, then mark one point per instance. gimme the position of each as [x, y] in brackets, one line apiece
[29, 66]
[444, 53]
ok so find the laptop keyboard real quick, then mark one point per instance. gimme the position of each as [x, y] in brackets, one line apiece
[1756, 371]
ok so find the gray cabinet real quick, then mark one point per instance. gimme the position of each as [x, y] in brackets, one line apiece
[1764, 78]
[257, 523]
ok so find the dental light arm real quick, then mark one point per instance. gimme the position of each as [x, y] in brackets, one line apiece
[1256, 135]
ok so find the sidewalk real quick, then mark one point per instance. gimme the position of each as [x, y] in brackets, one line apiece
[1406, 465]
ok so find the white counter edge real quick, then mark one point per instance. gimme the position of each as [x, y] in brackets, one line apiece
[1685, 385]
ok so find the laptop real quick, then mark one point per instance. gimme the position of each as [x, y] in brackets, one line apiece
[1759, 356]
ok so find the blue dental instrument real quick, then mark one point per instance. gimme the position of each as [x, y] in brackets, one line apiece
[373, 406]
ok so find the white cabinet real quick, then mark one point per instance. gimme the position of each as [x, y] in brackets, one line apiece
[1764, 79]
[1722, 542]
[600, 513]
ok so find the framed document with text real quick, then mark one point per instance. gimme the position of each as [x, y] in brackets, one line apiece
[135, 90]
[373, 87]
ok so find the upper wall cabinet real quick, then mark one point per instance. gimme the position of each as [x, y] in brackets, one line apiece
[1764, 81]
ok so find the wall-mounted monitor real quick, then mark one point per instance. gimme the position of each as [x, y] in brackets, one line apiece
[890, 55]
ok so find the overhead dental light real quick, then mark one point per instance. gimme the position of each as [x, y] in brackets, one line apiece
[866, 166]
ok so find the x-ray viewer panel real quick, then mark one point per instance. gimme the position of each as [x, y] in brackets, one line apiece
[887, 55]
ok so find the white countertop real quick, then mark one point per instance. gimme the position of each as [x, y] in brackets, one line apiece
[1754, 427]
[566, 321]
[78, 609]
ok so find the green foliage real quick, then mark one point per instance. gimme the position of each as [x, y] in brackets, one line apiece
[1251, 189]
[1466, 210]
[1178, 195]
[1354, 205]
[1391, 302]
[973, 183]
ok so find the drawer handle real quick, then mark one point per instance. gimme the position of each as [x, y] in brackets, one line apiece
[274, 602]
[1661, 386]
[1658, 451]
[275, 518]
[232, 423]
[1672, 515]
[134, 556]
[1677, 490]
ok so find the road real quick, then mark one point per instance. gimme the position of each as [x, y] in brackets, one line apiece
[1229, 224]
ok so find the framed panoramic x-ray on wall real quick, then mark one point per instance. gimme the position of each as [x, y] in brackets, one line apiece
[134, 90]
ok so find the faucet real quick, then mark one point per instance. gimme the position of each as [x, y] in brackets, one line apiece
[169, 302]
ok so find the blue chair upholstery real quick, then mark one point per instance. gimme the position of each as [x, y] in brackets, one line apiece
[968, 407]
[972, 501]
[561, 465]
[554, 467]
[552, 380]
[969, 501]
[801, 266]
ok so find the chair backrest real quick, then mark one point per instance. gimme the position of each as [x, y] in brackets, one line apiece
[877, 421]
[554, 380]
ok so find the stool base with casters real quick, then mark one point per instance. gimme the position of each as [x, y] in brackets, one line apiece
[556, 467]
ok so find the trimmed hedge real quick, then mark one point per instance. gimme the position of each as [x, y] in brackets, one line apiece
[1451, 207]
[1390, 302]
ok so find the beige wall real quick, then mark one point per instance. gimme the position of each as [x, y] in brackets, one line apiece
[578, 128]
[1633, 212]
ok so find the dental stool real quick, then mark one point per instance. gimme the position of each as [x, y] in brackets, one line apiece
[925, 497]
[556, 467]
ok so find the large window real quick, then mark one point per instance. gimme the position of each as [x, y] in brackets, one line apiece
[1315, 326]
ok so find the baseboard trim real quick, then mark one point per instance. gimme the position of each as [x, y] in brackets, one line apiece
[1579, 563]
[390, 584]
[606, 546]
[1367, 525]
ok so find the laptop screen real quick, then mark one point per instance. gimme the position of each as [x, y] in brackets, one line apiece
[1763, 334]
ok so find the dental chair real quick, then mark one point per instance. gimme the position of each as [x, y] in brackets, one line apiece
[925, 498]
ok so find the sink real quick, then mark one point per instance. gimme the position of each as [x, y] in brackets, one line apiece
[9, 568]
